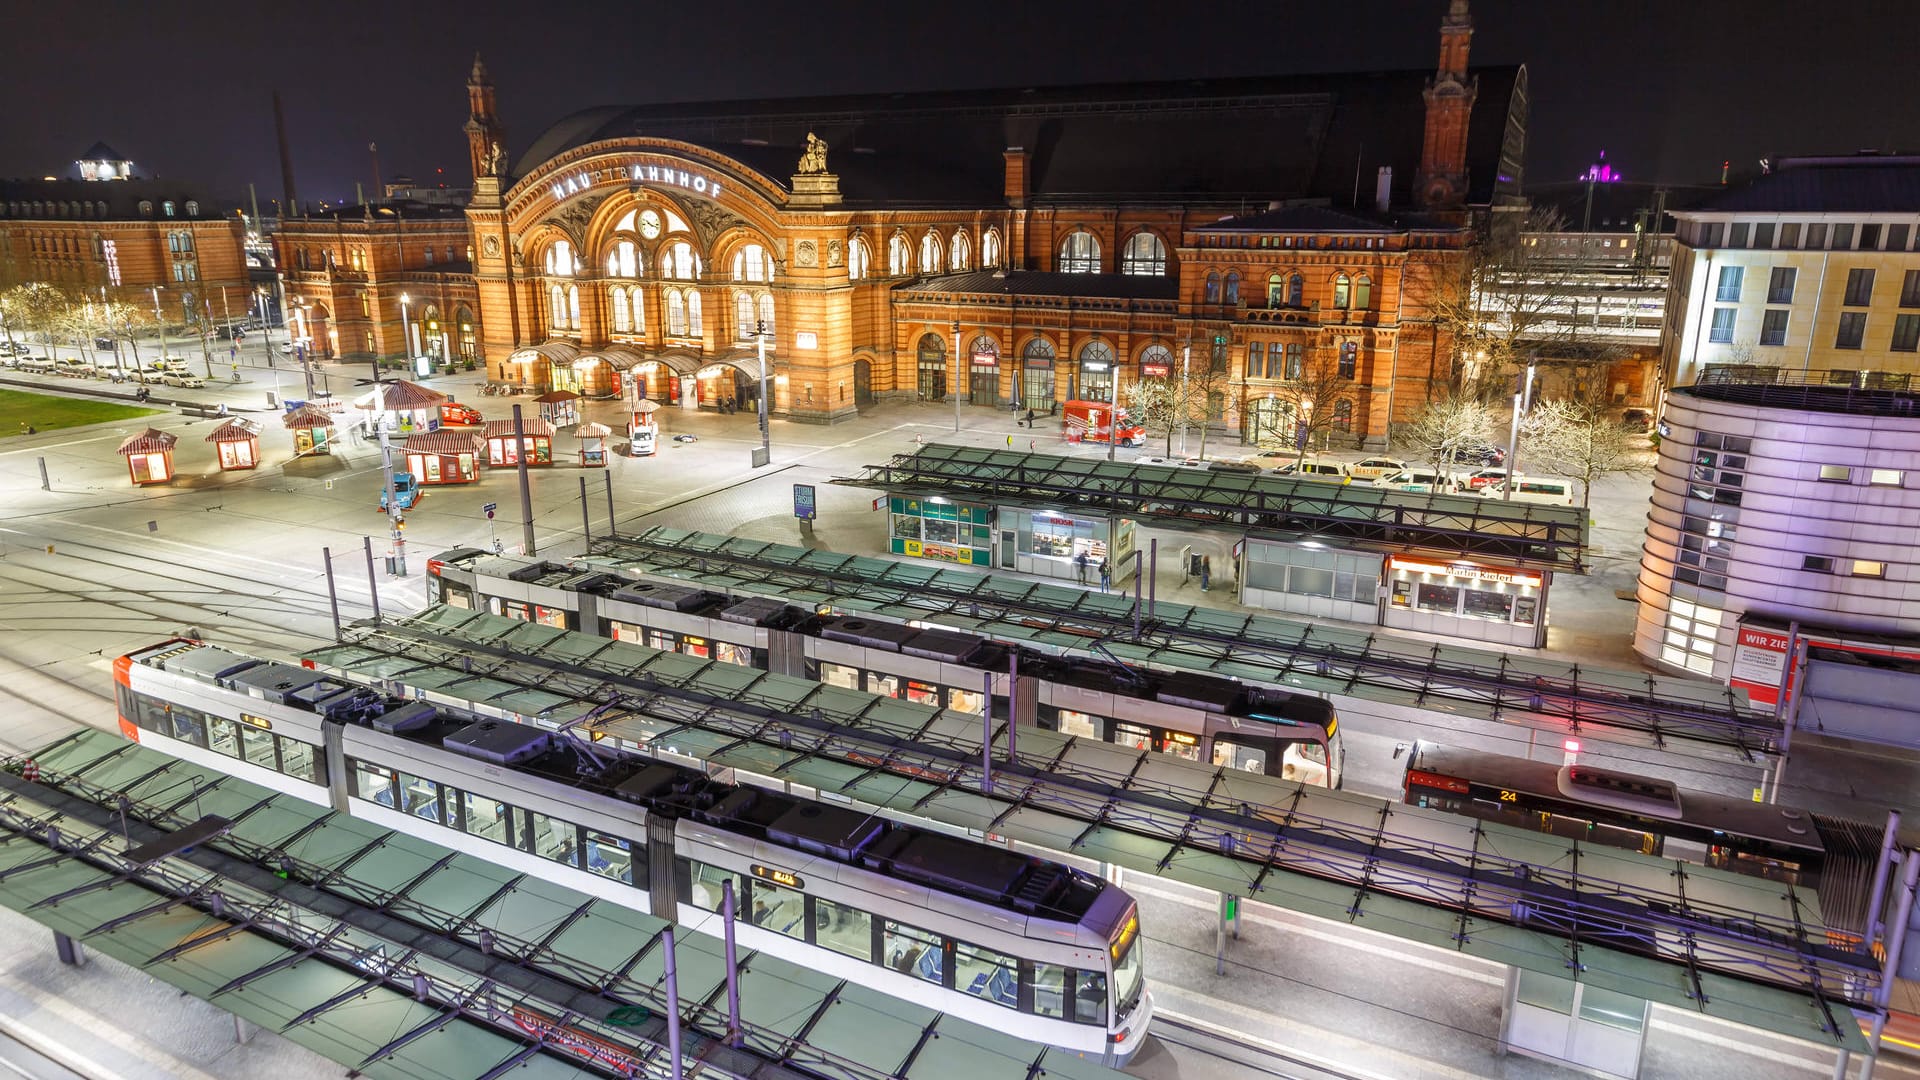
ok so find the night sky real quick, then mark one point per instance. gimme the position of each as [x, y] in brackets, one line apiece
[1669, 88]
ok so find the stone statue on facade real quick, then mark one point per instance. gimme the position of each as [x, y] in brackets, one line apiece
[496, 162]
[814, 161]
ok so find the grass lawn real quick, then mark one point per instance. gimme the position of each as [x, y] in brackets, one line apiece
[45, 412]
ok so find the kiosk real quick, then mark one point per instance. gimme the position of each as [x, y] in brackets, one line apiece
[238, 443]
[312, 428]
[402, 408]
[503, 449]
[593, 444]
[559, 407]
[444, 457]
[149, 457]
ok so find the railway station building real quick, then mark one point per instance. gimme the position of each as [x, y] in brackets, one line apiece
[1016, 248]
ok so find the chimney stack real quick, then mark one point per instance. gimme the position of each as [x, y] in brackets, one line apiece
[1383, 189]
[286, 156]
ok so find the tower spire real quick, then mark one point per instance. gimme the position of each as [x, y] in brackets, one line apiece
[1441, 182]
[486, 138]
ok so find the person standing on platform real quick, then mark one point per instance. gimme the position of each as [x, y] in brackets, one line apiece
[1106, 576]
[1206, 573]
[1080, 568]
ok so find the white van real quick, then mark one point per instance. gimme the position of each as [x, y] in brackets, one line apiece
[1418, 481]
[1329, 471]
[1547, 492]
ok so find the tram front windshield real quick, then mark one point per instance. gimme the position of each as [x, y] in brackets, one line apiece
[1128, 966]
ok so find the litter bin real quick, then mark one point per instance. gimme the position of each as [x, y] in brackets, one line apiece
[271, 403]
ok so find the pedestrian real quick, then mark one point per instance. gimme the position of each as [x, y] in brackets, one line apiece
[1106, 576]
[1030, 446]
[1029, 417]
[1206, 573]
[1009, 442]
[1080, 568]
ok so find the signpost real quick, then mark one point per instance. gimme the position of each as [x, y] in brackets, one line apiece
[488, 510]
[803, 502]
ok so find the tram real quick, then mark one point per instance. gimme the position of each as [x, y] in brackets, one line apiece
[1640, 813]
[1266, 729]
[1033, 948]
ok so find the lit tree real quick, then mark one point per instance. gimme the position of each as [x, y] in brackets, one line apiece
[1579, 439]
[125, 321]
[1308, 406]
[38, 306]
[1156, 404]
[1444, 425]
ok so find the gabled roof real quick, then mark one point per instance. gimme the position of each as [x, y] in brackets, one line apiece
[1048, 283]
[101, 152]
[1855, 185]
[1318, 219]
[1195, 140]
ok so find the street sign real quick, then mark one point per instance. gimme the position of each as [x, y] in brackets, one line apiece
[489, 509]
[803, 505]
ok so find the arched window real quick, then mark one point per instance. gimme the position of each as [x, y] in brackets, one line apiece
[637, 300]
[557, 307]
[1096, 352]
[693, 313]
[766, 311]
[1343, 415]
[1296, 290]
[990, 249]
[743, 315]
[1233, 287]
[929, 254]
[166, 207]
[676, 313]
[1342, 291]
[752, 263]
[899, 259]
[1274, 290]
[573, 307]
[624, 260]
[1363, 293]
[193, 208]
[1349, 359]
[858, 259]
[1144, 256]
[622, 314]
[1213, 286]
[959, 252]
[1156, 362]
[560, 261]
[1079, 253]
[679, 263]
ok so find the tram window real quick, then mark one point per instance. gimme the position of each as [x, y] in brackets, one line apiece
[1616, 1010]
[627, 632]
[878, 683]
[298, 760]
[843, 929]
[911, 951]
[1079, 723]
[485, 818]
[1049, 989]
[986, 974]
[553, 839]
[223, 736]
[707, 882]
[839, 675]
[550, 616]
[728, 653]
[781, 910]
[967, 701]
[661, 639]
[189, 728]
[458, 598]
[695, 646]
[1305, 763]
[151, 715]
[256, 747]
[373, 783]
[419, 797]
[1133, 736]
[516, 609]
[1180, 744]
[1090, 997]
[921, 693]
[1239, 756]
[609, 856]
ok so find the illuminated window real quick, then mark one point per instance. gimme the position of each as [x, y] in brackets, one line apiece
[1213, 287]
[766, 311]
[1349, 359]
[752, 263]
[1363, 293]
[1233, 288]
[1864, 568]
[1728, 291]
[624, 260]
[679, 263]
[573, 307]
[1722, 328]
[1276, 290]
[1342, 291]
[637, 300]
[959, 252]
[990, 249]
[858, 259]
[676, 313]
[622, 314]
[1144, 255]
[930, 254]
[1886, 477]
[556, 307]
[899, 260]
[1836, 474]
[1692, 633]
[1080, 253]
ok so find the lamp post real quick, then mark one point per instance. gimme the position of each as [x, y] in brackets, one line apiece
[1186, 359]
[1522, 399]
[956, 376]
[406, 333]
[766, 434]
[160, 324]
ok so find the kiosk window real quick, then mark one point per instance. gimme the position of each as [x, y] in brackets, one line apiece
[906, 525]
[1490, 605]
[939, 531]
[1438, 598]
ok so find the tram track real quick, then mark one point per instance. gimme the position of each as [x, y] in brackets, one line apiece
[1251, 1056]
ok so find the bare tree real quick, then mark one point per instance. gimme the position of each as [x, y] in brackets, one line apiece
[1157, 404]
[1443, 426]
[1580, 440]
[1308, 406]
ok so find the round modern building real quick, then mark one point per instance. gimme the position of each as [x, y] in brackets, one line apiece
[1779, 499]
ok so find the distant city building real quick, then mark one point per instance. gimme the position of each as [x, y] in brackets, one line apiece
[1810, 267]
[129, 238]
[1600, 172]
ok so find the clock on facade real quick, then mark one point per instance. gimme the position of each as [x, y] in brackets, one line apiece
[649, 224]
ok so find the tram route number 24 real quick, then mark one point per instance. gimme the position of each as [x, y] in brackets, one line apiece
[1509, 796]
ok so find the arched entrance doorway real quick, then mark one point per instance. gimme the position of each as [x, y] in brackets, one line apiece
[862, 383]
[1096, 371]
[1036, 390]
[932, 359]
[727, 387]
[316, 331]
[983, 388]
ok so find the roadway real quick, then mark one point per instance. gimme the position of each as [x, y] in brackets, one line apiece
[237, 557]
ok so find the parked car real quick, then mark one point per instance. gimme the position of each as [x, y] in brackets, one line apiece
[1233, 466]
[14, 348]
[105, 343]
[1330, 471]
[72, 367]
[1374, 468]
[1475, 481]
[1482, 454]
[39, 364]
[183, 379]
[1176, 462]
[405, 491]
[1418, 481]
[1546, 491]
[1638, 420]
[459, 415]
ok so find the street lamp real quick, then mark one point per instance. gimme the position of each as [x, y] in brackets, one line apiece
[1522, 398]
[406, 333]
[766, 434]
[161, 323]
[1186, 360]
[956, 376]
